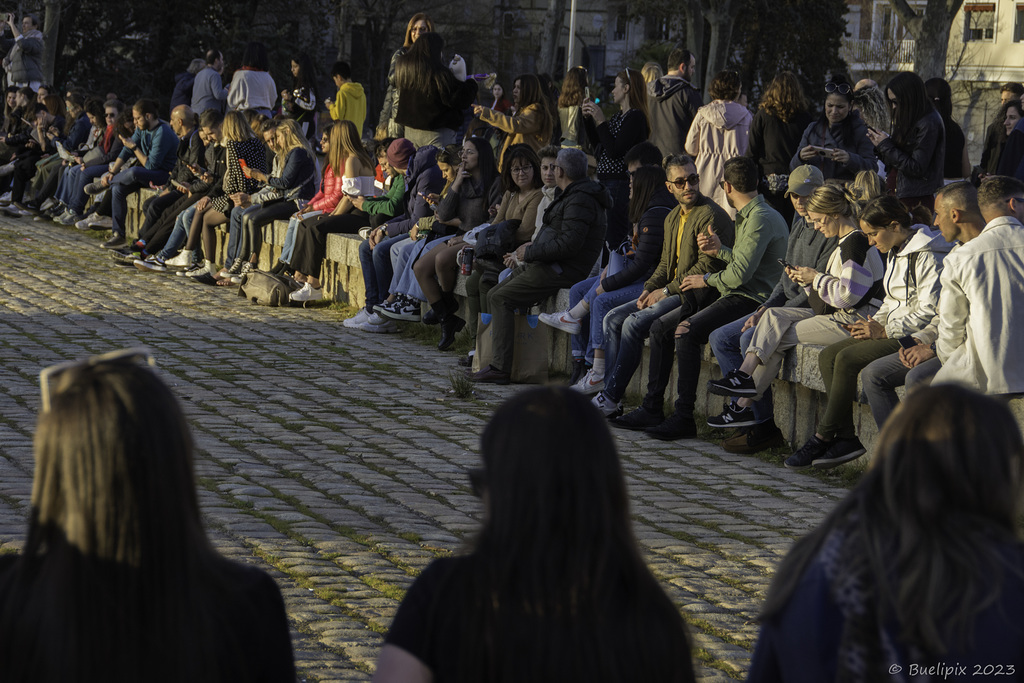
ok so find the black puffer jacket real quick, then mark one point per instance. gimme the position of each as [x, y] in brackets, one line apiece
[572, 236]
[650, 236]
[920, 161]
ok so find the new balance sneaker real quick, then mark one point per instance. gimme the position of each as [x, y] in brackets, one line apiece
[639, 419]
[358, 319]
[736, 383]
[116, 241]
[804, 457]
[378, 324]
[151, 263]
[184, 259]
[733, 416]
[307, 293]
[841, 450]
[590, 383]
[606, 406]
[402, 308]
[561, 321]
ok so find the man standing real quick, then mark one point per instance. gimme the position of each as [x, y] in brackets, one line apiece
[208, 91]
[24, 61]
[662, 305]
[565, 250]
[753, 270]
[806, 247]
[981, 323]
[674, 102]
[155, 147]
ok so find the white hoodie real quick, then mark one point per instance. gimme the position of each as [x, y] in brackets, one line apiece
[909, 308]
[981, 319]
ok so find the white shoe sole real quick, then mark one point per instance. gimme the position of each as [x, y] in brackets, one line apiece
[386, 328]
[588, 389]
[571, 328]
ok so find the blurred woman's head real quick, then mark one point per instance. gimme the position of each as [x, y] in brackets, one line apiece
[784, 97]
[418, 25]
[573, 87]
[645, 182]
[726, 85]
[236, 128]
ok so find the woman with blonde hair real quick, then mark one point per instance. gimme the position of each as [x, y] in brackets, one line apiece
[117, 572]
[616, 136]
[533, 122]
[419, 25]
[848, 291]
[570, 108]
[651, 72]
[919, 565]
[719, 133]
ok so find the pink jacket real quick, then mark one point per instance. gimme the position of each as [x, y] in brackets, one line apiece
[718, 133]
[329, 195]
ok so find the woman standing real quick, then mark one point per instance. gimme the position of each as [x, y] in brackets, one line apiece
[252, 86]
[719, 133]
[775, 133]
[616, 136]
[419, 25]
[531, 124]
[957, 165]
[301, 101]
[921, 562]
[915, 153]
[554, 588]
[837, 143]
[501, 103]
[570, 107]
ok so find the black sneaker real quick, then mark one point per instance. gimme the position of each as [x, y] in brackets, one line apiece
[674, 427]
[736, 383]
[841, 450]
[733, 416]
[804, 458]
[115, 242]
[579, 369]
[639, 419]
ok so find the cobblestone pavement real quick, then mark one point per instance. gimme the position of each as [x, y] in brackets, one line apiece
[336, 460]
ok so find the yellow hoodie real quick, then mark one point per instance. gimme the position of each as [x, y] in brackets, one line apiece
[350, 104]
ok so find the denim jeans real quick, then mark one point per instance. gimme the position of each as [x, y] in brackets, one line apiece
[289, 236]
[72, 191]
[730, 346]
[881, 377]
[404, 280]
[377, 273]
[592, 335]
[179, 235]
[625, 329]
[125, 183]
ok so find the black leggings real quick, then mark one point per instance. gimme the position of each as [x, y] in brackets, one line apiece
[311, 238]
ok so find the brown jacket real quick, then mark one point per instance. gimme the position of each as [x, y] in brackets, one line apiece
[526, 126]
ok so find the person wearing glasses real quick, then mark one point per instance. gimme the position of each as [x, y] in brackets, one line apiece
[662, 304]
[808, 247]
[837, 143]
[554, 587]
[915, 153]
[117, 572]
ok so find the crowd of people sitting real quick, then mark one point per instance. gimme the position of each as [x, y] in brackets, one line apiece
[672, 223]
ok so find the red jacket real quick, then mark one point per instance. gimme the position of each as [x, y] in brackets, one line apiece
[329, 195]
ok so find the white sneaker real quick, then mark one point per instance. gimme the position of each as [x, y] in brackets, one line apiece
[605, 405]
[48, 204]
[355, 321]
[307, 293]
[378, 324]
[100, 221]
[203, 270]
[5, 197]
[561, 321]
[590, 383]
[184, 259]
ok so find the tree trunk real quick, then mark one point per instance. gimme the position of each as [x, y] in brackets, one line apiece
[721, 16]
[51, 34]
[931, 33]
[694, 34]
[553, 21]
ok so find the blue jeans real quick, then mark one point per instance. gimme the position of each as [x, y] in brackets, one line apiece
[125, 183]
[289, 236]
[72, 189]
[592, 333]
[404, 280]
[179, 235]
[377, 272]
[730, 346]
[881, 377]
[630, 327]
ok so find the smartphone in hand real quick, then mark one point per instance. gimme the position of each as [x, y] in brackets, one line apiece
[786, 264]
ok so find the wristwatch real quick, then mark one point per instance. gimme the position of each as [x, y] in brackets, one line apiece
[665, 291]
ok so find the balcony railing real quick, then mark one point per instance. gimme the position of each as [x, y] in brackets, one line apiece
[880, 54]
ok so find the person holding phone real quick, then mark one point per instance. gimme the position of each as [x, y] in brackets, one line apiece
[575, 91]
[837, 143]
[913, 254]
[24, 61]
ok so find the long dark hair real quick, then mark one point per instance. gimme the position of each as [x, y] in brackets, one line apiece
[117, 572]
[912, 104]
[421, 66]
[525, 154]
[531, 92]
[557, 589]
[647, 180]
[485, 162]
[921, 532]
[255, 56]
[307, 75]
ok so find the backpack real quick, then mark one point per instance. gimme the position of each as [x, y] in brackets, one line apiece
[266, 289]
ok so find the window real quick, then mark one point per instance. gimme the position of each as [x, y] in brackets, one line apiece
[621, 23]
[1018, 24]
[979, 22]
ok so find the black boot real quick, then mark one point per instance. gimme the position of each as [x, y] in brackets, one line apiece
[451, 324]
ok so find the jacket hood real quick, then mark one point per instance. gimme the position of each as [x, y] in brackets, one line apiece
[353, 90]
[662, 198]
[422, 159]
[926, 238]
[598, 191]
[667, 86]
[725, 115]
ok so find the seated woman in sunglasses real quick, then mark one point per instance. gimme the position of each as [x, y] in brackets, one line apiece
[837, 143]
[117, 572]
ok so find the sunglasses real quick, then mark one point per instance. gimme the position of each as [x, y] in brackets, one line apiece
[680, 183]
[48, 375]
[841, 88]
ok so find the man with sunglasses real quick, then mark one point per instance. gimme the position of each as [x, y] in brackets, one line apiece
[806, 247]
[662, 305]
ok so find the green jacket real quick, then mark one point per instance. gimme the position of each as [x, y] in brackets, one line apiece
[690, 260]
[391, 204]
[753, 262]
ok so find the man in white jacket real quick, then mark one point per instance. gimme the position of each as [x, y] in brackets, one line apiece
[981, 322]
